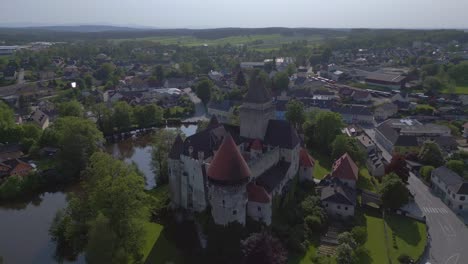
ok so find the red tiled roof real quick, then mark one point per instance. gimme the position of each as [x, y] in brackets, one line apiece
[257, 193]
[228, 165]
[257, 145]
[305, 160]
[345, 168]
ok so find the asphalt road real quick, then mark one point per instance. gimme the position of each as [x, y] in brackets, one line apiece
[448, 242]
[200, 110]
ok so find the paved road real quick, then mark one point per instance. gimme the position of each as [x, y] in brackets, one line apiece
[448, 234]
[200, 111]
[20, 79]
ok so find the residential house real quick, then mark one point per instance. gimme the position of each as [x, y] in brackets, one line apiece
[10, 151]
[465, 130]
[451, 187]
[280, 109]
[355, 114]
[384, 111]
[223, 110]
[10, 74]
[362, 96]
[338, 189]
[40, 119]
[375, 163]
[14, 167]
[252, 65]
[177, 83]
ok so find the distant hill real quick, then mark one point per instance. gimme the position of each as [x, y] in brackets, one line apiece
[86, 28]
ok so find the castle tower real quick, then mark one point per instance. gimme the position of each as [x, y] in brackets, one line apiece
[306, 166]
[256, 110]
[228, 175]
[175, 172]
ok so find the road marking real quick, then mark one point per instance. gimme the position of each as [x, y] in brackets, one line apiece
[455, 257]
[435, 210]
[447, 229]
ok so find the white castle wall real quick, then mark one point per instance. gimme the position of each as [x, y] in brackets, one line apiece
[259, 211]
[263, 162]
[192, 185]
[228, 203]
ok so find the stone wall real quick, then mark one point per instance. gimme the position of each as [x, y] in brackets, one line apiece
[259, 211]
[228, 203]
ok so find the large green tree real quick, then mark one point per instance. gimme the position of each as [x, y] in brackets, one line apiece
[322, 128]
[123, 114]
[204, 90]
[430, 154]
[344, 144]
[281, 81]
[295, 113]
[148, 115]
[107, 219]
[394, 192]
[162, 143]
[78, 139]
[71, 108]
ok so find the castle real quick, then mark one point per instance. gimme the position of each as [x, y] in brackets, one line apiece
[237, 170]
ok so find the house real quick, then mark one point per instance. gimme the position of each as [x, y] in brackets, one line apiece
[10, 73]
[236, 170]
[338, 189]
[366, 143]
[281, 107]
[14, 167]
[375, 164]
[40, 119]
[10, 151]
[252, 65]
[223, 110]
[176, 83]
[384, 111]
[362, 96]
[465, 130]
[400, 134]
[391, 81]
[452, 188]
[355, 114]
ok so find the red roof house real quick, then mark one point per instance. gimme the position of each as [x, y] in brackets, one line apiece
[344, 168]
[257, 193]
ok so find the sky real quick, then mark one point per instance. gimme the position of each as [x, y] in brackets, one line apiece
[239, 13]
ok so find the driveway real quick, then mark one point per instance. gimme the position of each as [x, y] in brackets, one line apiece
[448, 242]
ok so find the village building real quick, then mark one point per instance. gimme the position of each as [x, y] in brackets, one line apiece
[14, 167]
[391, 81]
[40, 119]
[384, 111]
[238, 170]
[355, 114]
[451, 187]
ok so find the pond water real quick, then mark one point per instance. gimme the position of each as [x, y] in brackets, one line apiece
[24, 226]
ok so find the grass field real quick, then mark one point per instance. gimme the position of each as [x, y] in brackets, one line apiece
[322, 164]
[457, 90]
[364, 181]
[158, 249]
[407, 236]
[375, 240]
[259, 42]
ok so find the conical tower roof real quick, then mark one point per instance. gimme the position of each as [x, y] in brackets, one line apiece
[228, 165]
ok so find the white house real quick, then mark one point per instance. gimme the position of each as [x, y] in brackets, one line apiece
[452, 188]
[40, 119]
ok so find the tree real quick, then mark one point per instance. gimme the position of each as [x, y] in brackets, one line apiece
[159, 73]
[432, 84]
[425, 172]
[263, 248]
[108, 215]
[457, 166]
[203, 90]
[398, 166]
[344, 144]
[104, 118]
[322, 128]
[78, 139]
[71, 108]
[88, 79]
[240, 79]
[359, 234]
[295, 113]
[281, 81]
[105, 72]
[148, 115]
[162, 143]
[394, 192]
[291, 69]
[344, 254]
[122, 115]
[430, 154]
[187, 69]
[347, 238]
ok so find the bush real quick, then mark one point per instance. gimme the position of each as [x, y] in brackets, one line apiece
[359, 234]
[405, 259]
[425, 172]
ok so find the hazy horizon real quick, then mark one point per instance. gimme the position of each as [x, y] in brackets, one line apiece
[417, 14]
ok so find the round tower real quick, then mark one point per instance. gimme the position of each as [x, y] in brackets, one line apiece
[228, 175]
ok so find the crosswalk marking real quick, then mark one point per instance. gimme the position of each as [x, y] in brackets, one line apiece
[434, 210]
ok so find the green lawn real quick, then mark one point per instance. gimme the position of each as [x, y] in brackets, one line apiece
[375, 240]
[457, 90]
[409, 237]
[158, 249]
[152, 232]
[364, 181]
[319, 171]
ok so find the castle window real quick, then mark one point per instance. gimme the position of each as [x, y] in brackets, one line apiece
[462, 198]
[339, 207]
[234, 212]
[259, 209]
